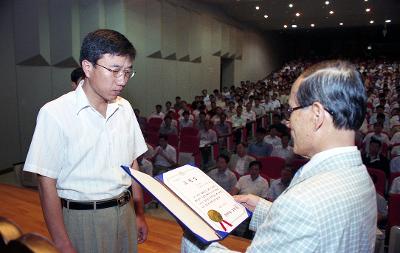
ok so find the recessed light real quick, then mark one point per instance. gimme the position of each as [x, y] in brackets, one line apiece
[388, 21]
[371, 21]
[257, 7]
[285, 26]
[341, 23]
[265, 16]
[290, 5]
[297, 14]
[369, 47]
[326, 2]
[294, 26]
[367, 10]
[365, 0]
[331, 12]
[312, 25]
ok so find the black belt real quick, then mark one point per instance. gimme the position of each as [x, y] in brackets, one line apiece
[79, 205]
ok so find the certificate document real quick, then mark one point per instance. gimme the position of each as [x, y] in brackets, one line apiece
[195, 200]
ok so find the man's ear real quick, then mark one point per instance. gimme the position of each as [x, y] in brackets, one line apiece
[318, 115]
[87, 67]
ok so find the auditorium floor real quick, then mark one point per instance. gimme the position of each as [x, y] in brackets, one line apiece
[7, 176]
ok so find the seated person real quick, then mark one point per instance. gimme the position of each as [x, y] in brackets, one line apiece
[259, 148]
[279, 185]
[167, 128]
[158, 113]
[250, 117]
[208, 137]
[223, 129]
[395, 188]
[240, 161]
[284, 151]
[374, 159]
[199, 123]
[252, 183]
[395, 164]
[279, 126]
[185, 121]
[378, 135]
[273, 137]
[141, 120]
[238, 123]
[222, 175]
[164, 158]
[382, 207]
[145, 165]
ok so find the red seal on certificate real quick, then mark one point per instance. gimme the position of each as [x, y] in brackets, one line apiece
[217, 217]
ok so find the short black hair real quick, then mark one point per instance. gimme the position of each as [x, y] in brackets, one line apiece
[76, 74]
[225, 157]
[374, 140]
[338, 86]
[261, 130]
[255, 163]
[105, 41]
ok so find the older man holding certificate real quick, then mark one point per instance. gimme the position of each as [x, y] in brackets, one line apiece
[330, 205]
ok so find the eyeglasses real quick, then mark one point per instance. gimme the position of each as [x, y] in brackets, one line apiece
[290, 110]
[118, 73]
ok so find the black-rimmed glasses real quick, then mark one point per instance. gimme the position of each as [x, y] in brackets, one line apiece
[118, 73]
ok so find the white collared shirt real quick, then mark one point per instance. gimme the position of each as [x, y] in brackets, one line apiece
[319, 157]
[74, 144]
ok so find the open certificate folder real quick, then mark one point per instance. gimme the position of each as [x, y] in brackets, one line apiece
[193, 198]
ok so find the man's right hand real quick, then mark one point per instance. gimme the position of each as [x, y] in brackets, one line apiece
[249, 201]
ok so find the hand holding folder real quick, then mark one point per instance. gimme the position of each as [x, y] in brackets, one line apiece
[199, 204]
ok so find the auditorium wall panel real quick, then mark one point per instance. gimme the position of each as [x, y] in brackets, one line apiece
[179, 47]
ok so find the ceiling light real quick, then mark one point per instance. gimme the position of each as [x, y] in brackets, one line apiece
[326, 2]
[365, 0]
[388, 21]
[331, 12]
[265, 16]
[312, 25]
[371, 21]
[290, 5]
[257, 7]
[369, 47]
[368, 10]
[294, 26]
[297, 14]
[285, 26]
[340, 23]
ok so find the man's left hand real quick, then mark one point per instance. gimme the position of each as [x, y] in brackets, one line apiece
[142, 229]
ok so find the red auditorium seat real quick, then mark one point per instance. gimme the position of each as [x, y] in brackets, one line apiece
[272, 166]
[189, 131]
[380, 183]
[155, 122]
[173, 140]
[152, 138]
[394, 210]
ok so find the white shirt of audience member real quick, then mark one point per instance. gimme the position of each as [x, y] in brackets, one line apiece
[395, 188]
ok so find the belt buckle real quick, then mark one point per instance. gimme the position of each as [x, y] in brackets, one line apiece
[123, 199]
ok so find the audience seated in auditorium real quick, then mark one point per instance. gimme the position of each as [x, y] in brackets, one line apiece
[279, 185]
[252, 183]
[273, 137]
[200, 121]
[177, 104]
[259, 148]
[141, 120]
[238, 122]
[240, 161]
[284, 150]
[208, 137]
[167, 128]
[378, 135]
[145, 165]
[185, 121]
[158, 113]
[164, 158]
[222, 175]
[374, 159]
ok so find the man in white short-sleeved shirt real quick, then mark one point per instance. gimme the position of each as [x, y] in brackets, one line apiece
[80, 141]
[252, 183]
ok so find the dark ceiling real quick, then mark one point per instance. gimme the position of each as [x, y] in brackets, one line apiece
[352, 13]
